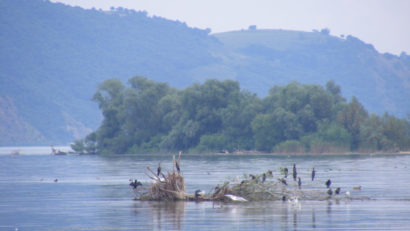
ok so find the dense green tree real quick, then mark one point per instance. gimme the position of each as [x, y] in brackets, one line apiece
[216, 116]
[373, 136]
[351, 117]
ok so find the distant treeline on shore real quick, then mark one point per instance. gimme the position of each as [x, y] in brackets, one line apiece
[217, 116]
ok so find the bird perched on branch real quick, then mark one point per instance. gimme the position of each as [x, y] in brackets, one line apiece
[159, 169]
[178, 161]
[283, 181]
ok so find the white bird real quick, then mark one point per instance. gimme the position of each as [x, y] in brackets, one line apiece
[236, 198]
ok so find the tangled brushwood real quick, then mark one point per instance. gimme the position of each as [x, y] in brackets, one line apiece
[171, 187]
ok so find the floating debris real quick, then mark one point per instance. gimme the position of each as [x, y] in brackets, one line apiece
[357, 188]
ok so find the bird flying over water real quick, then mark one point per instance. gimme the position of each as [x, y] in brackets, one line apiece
[313, 174]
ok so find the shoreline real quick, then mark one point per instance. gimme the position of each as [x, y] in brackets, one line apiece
[38, 150]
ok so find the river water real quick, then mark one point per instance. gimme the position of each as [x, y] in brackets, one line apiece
[72, 192]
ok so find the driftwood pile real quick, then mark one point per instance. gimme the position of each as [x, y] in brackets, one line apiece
[171, 187]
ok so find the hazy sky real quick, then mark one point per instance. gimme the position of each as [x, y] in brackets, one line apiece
[383, 23]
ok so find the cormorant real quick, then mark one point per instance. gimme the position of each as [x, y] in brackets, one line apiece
[159, 169]
[299, 183]
[294, 172]
[313, 174]
[286, 172]
[337, 191]
[177, 166]
[329, 192]
[252, 176]
[198, 193]
[135, 184]
[283, 181]
[328, 183]
[263, 177]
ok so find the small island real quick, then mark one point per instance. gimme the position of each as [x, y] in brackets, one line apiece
[219, 116]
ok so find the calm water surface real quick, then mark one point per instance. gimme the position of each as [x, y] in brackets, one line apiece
[92, 193]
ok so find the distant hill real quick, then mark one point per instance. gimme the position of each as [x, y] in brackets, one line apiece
[380, 81]
[54, 56]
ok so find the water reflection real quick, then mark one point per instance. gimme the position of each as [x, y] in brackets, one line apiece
[313, 218]
[231, 216]
[166, 215]
[92, 193]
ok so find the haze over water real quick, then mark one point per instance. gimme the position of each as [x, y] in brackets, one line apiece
[92, 193]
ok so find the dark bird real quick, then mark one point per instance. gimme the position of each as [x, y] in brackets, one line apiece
[313, 174]
[337, 191]
[198, 193]
[252, 176]
[217, 190]
[328, 183]
[177, 166]
[329, 192]
[294, 172]
[135, 184]
[159, 169]
[283, 181]
[263, 177]
[286, 172]
[299, 183]
[270, 173]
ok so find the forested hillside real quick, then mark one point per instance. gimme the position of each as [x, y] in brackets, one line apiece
[54, 56]
[217, 116]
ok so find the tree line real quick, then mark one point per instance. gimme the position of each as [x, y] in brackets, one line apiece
[218, 116]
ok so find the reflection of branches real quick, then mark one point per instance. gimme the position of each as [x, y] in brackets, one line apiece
[168, 211]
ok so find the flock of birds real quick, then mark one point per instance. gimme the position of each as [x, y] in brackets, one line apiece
[135, 183]
[328, 182]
